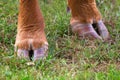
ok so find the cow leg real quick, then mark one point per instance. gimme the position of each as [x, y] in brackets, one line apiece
[84, 14]
[31, 38]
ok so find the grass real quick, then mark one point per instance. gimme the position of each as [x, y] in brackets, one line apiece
[69, 58]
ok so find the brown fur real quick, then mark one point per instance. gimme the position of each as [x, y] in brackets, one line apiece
[84, 11]
[30, 26]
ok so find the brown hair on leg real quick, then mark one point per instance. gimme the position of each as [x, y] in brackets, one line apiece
[84, 12]
[82, 19]
[30, 30]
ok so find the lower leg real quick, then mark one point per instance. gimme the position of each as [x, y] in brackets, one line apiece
[85, 12]
[30, 31]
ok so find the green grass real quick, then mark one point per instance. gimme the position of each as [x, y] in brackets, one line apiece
[69, 58]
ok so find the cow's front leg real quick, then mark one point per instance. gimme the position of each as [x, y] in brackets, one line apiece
[84, 15]
[31, 39]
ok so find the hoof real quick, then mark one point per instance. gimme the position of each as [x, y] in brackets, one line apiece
[24, 54]
[102, 30]
[85, 31]
[33, 54]
[40, 53]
